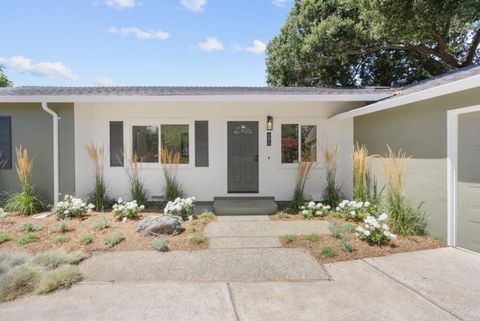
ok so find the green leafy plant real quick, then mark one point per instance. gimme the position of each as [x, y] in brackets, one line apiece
[332, 193]
[198, 222]
[336, 230]
[138, 192]
[129, 210]
[346, 245]
[181, 207]
[99, 197]
[195, 239]
[283, 216]
[4, 237]
[207, 215]
[28, 238]
[170, 161]
[61, 226]
[86, 239]
[28, 201]
[60, 239]
[289, 238]
[404, 218]
[313, 237]
[160, 244]
[100, 223]
[375, 231]
[114, 239]
[328, 251]
[30, 227]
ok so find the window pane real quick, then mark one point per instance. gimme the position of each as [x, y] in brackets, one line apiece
[145, 143]
[289, 143]
[309, 143]
[175, 138]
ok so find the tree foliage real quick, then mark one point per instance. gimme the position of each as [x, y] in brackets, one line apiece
[373, 42]
[4, 82]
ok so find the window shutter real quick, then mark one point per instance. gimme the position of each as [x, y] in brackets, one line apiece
[116, 144]
[201, 143]
[6, 142]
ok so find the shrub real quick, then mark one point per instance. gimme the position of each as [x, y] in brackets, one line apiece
[375, 231]
[346, 245]
[328, 251]
[310, 210]
[61, 227]
[313, 237]
[137, 188]
[30, 227]
[195, 239]
[303, 170]
[161, 244]
[181, 207]
[86, 239]
[100, 223]
[28, 201]
[282, 215]
[356, 211]
[54, 258]
[18, 281]
[10, 260]
[404, 218]
[170, 161]
[331, 193]
[129, 210]
[60, 239]
[62, 277]
[72, 207]
[114, 239]
[289, 238]
[28, 238]
[99, 197]
[4, 237]
[207, 215]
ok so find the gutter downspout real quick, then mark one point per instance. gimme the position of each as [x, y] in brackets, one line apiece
[56, 174]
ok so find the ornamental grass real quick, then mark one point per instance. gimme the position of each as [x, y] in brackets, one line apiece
[172, 188]
[331, 194]
[303, 170]
[138, 191]
[99, 196]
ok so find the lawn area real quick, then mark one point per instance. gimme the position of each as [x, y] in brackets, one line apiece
[93, 232]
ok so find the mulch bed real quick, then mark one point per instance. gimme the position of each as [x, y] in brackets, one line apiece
[362, 248]
[133, 241]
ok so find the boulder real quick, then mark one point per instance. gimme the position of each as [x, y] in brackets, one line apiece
[160, 225]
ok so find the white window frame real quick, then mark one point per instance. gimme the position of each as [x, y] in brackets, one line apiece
[299, 124]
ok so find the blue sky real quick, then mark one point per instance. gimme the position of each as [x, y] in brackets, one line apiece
[138, 42]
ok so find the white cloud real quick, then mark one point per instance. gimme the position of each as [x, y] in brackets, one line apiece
[120, 4]
[257, 47]
[139, 33]
[104, 81]
[42, 69]
[280, 3]
[211, 44]
[194, 5]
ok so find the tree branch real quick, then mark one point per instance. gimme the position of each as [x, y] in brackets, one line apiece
[472, 52]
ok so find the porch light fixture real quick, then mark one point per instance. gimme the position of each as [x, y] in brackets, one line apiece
[269, 123]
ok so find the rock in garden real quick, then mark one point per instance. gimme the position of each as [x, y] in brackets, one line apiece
[160, 225]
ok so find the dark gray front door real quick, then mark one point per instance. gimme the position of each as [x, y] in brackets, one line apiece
[243, 157]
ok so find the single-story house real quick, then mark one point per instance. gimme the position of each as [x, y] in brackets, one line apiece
[246, 141]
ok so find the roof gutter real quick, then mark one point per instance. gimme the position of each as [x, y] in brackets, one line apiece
[56, 172]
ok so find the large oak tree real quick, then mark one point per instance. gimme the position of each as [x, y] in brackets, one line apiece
[373, 42]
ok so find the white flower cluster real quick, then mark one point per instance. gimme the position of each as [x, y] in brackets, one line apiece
[72, 207]
[375, 230]
[182, 207]
[312, 209]
[126, 210]
[1, 212]
[354, 210]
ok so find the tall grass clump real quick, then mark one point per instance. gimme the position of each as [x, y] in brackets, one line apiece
[303, 170]
[29, 200]
[405, 219]
[99, 196]
[170, 161]
[364, 183]
[331, 194]
[138, 191]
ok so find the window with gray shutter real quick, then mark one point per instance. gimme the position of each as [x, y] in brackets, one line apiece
[5, 142]
[116, 144]
[201, 143]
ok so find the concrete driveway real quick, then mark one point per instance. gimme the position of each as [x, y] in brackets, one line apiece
[435, 285]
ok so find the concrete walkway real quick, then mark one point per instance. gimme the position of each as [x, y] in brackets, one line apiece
[435, 285]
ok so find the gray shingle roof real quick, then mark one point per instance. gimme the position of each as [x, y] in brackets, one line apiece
[183, 91]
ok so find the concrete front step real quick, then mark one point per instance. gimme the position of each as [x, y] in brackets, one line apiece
[247, 265]
[243, 218]
[244, 242]
[244, 206]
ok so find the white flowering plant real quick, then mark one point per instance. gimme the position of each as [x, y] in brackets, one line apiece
[1, 212]
[311, 209]
[356, 211]
[126, 210]
[72, 207]
[182, 207]
[375, 230]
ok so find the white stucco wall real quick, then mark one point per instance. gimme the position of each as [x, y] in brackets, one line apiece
[275, 179]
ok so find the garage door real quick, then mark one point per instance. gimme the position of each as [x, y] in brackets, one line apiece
[468, 213]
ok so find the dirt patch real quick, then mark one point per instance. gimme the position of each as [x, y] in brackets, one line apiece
[78, 227]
